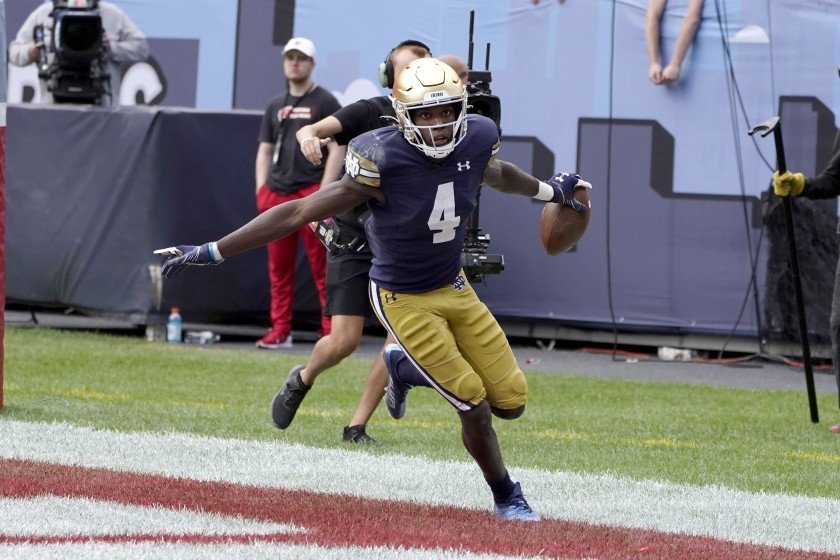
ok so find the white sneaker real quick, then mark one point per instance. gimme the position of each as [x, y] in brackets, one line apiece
[272, 342]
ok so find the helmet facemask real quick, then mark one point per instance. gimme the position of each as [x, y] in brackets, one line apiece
[413, 133]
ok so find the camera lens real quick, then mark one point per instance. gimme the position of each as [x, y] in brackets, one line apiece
[81, 34]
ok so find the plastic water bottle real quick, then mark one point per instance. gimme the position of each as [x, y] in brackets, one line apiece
[173, 326]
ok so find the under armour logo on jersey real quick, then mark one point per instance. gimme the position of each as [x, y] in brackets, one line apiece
[459, 284]
[390, 298]
[465, 165]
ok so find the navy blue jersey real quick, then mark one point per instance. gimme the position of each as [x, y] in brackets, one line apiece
[417, 233]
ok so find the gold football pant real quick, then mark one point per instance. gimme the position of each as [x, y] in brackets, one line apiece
[455, 342]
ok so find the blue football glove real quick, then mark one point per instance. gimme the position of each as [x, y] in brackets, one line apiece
[183, 255]
[564, 186]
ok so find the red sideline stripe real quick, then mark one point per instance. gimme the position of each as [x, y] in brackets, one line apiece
[340, 520]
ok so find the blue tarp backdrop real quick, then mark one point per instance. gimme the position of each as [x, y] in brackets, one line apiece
[676, 219]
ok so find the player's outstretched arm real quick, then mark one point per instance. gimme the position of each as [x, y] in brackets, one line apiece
[276, 223]
[563, 188]
[288, 217]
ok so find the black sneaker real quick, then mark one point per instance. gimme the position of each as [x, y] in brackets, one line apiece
[285, 403]
[357, 434]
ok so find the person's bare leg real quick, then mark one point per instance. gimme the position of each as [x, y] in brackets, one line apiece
[374, 389]
[331, 349]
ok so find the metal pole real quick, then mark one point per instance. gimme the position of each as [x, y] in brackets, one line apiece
[787, 202]
[774, 125]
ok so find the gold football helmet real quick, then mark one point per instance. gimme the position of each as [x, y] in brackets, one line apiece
[428, 82]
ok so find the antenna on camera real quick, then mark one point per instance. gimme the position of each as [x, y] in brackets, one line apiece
[470, 44]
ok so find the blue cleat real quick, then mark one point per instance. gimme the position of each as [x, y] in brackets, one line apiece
[397, 390]
[515, 508]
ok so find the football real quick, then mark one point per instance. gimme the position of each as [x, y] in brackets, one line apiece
[561, 227]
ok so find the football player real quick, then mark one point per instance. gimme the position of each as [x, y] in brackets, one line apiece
[420, 180]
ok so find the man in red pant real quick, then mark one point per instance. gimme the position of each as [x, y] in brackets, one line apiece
[283, 174]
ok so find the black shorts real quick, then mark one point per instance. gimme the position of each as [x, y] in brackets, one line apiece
[347, 284]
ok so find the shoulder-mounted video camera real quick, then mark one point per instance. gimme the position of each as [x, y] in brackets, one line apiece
[77, 71]
[335, 239]
[475, 259]
[480, 101]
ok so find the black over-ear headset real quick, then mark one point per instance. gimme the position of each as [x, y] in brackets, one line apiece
[386, 68]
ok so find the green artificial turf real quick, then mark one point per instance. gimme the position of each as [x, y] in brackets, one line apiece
[751, 440]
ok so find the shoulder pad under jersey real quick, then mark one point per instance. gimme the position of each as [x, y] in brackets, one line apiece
[361, 160]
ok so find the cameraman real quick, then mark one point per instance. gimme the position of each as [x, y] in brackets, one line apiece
[347, 300]
[122, 41]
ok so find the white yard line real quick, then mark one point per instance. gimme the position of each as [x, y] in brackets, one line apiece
[53, 516]
[795, 522]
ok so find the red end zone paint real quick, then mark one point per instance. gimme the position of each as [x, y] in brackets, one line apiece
[340, 520]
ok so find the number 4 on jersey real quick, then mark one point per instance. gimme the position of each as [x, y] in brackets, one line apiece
[443, 219]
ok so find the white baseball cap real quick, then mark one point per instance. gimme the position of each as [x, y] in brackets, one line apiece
[301, 44]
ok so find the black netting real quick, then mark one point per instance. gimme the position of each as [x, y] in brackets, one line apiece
[817, 248]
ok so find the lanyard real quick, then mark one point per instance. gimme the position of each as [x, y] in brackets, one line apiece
[279, 142]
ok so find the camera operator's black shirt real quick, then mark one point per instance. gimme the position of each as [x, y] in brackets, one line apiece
[362, 116]
[827, 183]
[356, 119]
[292, 172]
